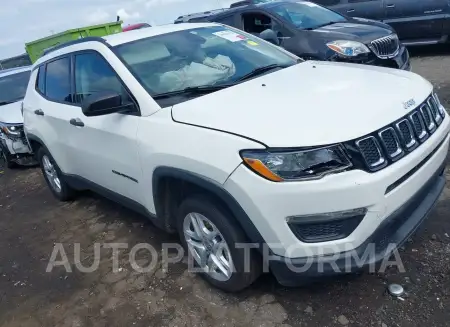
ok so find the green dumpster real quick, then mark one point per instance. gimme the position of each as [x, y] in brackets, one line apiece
[37, 47]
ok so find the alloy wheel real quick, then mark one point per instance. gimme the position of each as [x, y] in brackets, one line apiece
[208, 246]
[51, 173]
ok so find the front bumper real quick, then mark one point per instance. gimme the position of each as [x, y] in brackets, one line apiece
[387, 238]
[16, 148]
[268, 204]
[400, 61]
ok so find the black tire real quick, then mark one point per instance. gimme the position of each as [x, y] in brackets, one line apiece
[66, 193]
[232, 233]
[6, 158]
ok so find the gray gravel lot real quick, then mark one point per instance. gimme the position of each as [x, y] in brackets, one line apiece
[31, 221]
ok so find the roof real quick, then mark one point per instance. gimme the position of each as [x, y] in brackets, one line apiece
[16, 70]
[121, 38]
[188, 17]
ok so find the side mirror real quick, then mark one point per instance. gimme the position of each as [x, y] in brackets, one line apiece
[270, 36]
[102, 103]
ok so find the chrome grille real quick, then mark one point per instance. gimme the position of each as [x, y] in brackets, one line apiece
[371, 153]
[391, 143]
[419, 126]
[435, 110]
[400, 138]
[428, 117]
[386, 47]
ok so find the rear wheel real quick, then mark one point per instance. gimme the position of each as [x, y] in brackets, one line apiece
[53, 176]
[210, 235]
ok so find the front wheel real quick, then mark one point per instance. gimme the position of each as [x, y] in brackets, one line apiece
[210, 235]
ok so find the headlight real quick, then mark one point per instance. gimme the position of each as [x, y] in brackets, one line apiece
[279, 165]
[11, 129]
[348, 48]
[440, 106]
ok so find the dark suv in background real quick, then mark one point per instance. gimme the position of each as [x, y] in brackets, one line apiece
[417, 22]
[314, 32]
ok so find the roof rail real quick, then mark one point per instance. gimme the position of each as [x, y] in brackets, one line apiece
[241, 3]
[69, 43]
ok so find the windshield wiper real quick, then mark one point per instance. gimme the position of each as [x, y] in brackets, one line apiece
[5, 103]
[260, 70]
[192, 90]
[321, 25]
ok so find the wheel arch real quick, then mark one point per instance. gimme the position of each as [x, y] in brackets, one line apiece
[169, 185]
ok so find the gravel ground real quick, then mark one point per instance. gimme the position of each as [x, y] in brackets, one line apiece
[32, 221]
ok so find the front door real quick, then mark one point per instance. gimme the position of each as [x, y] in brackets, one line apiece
[104, 148]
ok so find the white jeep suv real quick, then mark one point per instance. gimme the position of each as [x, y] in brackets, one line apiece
[231, 141]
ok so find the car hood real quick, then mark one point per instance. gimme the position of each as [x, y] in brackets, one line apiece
[11, 113]
[308, 104]
[352, 30]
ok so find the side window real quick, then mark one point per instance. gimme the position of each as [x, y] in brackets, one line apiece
[57, 83]
[255, 23]
[40, 81]
[93, 74]
[327, 3]
[227, 20]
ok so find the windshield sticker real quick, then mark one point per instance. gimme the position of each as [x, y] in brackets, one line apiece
[252, 43]
[230, 36]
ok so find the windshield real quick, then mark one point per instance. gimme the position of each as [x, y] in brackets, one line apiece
[13, 87]
[207, 56]
[306, 15]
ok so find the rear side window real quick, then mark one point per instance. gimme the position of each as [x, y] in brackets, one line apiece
[57, 86]
[40, 82]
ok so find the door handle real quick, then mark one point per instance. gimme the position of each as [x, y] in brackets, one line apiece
[39, 112]
[76, 122]
[351, 10]
[390, 5]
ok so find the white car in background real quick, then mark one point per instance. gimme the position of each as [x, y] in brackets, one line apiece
[13, 146]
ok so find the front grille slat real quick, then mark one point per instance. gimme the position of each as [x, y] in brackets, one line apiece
[419, 126]
[427, 117]
[396, 140]
[434, 111]
[371, 151]
[386, 47]
[391, 143]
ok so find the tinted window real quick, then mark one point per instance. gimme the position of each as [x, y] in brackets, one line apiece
[40, 82]
[57, 86]
[93, 74]
[227, 20]
[306, 15]
[13, 87]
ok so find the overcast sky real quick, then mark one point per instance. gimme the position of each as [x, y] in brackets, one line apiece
[27, 20]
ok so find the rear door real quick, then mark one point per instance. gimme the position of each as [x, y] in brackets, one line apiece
[416, 20]
[49, 105]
